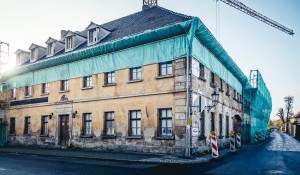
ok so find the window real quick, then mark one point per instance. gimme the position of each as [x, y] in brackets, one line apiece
[165, 122]
[27, 90]
[34, 54]
[202, 124]
[44, 125]
[165, 69]
[26, 125]
[221, 85]
[64, 85]
[212, 78]
[109, 123]
[87, 81]
[12, 126]
[18, 62]
[227, 90]
[220, 125]
[45, 88]
[234, 94]
[202, 70]
[13, 93]
[135, 123]
[1, 120]
[69, 43]
[93, 36]
[109, 78]
[135, 73]
[227, 125]
[87, 124]
[50, 49]
[212, 122]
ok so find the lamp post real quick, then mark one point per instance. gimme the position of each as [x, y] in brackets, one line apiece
[215, 100]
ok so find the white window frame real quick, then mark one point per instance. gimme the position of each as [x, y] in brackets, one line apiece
[87, 81]
[27, 91]
[95, 39]
[50, 48]
[69, 43]
[45, 88]
[34, 54]
[64, 85]
[13, 93]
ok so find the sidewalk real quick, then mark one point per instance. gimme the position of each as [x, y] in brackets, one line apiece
[115, 156]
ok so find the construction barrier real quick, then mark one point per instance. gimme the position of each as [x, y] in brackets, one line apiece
[214, 145]
[263, 136]
[256, 138]
[232, 141]
[259, 137]
[238, 140]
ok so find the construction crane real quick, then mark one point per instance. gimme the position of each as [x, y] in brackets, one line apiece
[240, 6]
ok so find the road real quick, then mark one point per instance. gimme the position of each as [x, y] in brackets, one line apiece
[279, 156]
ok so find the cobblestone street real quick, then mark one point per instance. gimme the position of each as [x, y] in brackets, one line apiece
[283, 142]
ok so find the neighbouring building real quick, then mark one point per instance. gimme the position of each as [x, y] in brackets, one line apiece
[122, 86]
[295, 125]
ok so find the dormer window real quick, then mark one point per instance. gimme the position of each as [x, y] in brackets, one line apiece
[18, 61]
[50, 49]
[93, 37]
[34, 54]
[69, 43]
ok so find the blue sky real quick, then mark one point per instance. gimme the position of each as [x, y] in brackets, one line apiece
[251, 43]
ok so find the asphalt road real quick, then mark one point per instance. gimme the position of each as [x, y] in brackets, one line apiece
[279, 156]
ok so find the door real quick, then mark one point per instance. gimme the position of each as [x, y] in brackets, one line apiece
[297, 131]
[2, 133]
[64, 130]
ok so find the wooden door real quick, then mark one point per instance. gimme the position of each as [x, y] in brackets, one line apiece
[64, 130]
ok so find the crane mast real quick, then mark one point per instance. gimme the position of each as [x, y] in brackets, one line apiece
[240, 6]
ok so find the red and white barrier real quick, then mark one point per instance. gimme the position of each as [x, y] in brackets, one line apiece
[232, 142]
[238, 140]
[214, 145]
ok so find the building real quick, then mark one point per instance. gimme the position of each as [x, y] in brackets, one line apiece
[295, 125]
[122, 86]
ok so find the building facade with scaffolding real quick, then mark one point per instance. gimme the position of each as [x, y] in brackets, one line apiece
[122, 86]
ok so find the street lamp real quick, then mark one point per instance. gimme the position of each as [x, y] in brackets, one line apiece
[215, 100]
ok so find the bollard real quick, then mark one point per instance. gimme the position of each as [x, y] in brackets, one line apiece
[263, 136]
[214, 145]
[232, 141]
[238, 140]
[256, 139]
[259, 137]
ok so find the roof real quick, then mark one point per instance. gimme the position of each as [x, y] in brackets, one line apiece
[149, 19]
[296, 115]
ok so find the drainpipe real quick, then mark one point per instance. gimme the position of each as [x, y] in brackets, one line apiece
[187, 111]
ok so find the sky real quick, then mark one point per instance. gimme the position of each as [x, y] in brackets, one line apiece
[251, 43]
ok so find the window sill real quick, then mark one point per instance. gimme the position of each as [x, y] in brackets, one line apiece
[44, 94]
[227, 93]
[87, 88]
[135, 81]
[202, 78]
[164, 138]
[28, 96]
[44, 135]
[26, 134]
[164, 76]
[221, 90]
[13, 98]
[212, 85]
[65, 91]
[109, 137]
[86, 136]
[109, 84]
[135, 137]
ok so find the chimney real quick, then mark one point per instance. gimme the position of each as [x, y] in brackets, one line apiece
[147, 4]
[63, 33]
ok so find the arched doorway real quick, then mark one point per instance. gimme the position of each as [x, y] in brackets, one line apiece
[237, 124]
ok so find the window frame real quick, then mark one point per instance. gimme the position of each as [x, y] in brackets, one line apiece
[227, 125]
[137, 71]
[87, 131]
[91, 33]
[167, 118]
[202, 123]
[110, 76]
[106, 120]
[44, 125]
[212, 78]
[87, 81]
[45, 88]
[165, 66]
[220, 125]
[64, 85]
[12, 125]
[14, 93]
[131, 119]
[28, 91]
[201, 70]
[69, 43]
[27, 125]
